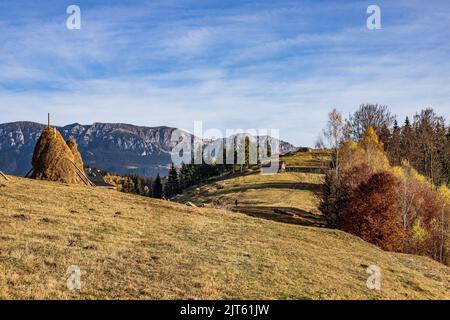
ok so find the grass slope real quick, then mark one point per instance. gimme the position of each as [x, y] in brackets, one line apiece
[259, 195]
[313, 158]
[133, 247]
[292, 192]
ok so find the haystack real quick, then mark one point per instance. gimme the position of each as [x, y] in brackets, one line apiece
[76, 154]
[57, 160]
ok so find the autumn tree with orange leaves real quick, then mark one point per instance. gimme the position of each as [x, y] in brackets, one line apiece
[374, 214]
[393, 207]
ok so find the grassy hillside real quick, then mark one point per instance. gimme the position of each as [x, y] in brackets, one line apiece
[135, 247]
[292, 193]
[309, 159]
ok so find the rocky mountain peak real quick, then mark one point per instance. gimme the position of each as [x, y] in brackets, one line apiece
[115, 147]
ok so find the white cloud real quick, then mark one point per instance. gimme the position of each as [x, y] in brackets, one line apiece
[275, 67]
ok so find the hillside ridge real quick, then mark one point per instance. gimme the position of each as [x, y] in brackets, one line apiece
[135, 247]
[114, 147]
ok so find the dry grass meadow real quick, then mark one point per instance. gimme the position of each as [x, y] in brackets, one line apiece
[295, 193]
[259, 195]
[131, 247]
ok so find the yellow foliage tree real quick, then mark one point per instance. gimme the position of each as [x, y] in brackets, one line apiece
[370, 152]
[352, 155]
[374, 151]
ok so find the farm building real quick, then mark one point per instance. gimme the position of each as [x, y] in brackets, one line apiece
[273, 167]
[96, 178]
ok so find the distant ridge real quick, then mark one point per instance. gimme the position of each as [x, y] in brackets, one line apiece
[115, 147]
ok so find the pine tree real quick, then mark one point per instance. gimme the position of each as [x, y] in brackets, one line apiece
[157, 188]
[139, 186]
[430, 140]
[184, 176]
[172, 187]
[407, 142]
[447, 159]
[269, 150]
[394, 145]
[250, 146]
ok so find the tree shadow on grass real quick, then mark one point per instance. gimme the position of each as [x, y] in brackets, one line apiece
[284, 215]
[269, 185]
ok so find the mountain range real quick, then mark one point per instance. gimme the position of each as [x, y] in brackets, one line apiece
[113, 147]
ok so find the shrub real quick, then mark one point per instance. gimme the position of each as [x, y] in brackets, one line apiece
[335, 197]
[374, 214]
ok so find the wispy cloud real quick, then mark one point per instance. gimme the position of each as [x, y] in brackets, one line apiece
[237, 64]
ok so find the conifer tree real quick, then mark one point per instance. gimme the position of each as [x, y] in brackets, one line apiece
[139, 185]
[157, 188]
[394, 145]
[172, 187]
[184, 176]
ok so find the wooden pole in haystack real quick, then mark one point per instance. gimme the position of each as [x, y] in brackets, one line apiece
[4, 176]
[49, 125]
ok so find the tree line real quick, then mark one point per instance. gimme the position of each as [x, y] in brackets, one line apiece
[388, 184]
[186, 176]
[192, 174]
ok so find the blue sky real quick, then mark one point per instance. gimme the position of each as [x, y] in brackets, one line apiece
[232, 64]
